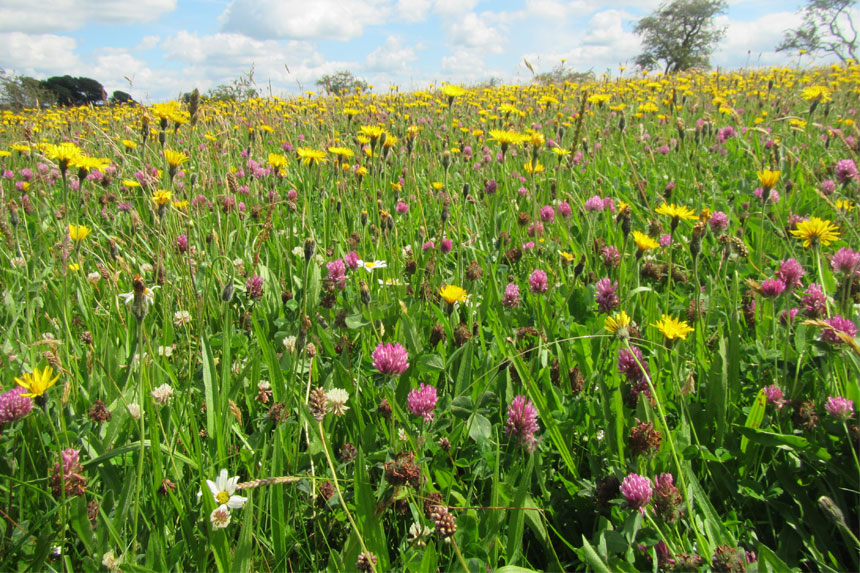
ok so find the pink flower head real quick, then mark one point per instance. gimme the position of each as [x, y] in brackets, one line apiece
[786, 317]
[845, 171]
[790, 272]
[564, 210]
[611, 257]
[538, 282]
[607, 299]
[840, 408]
[547, 214]
[512, 296]
[594, 203]
[846, 262]
[390, 359]
[774, 396]
[445, 245]
[828, 186]
[254, 287]
[351, 260]
[772, 288]
[337, 273]
[182, 243]
[522, 422]
[814, 301]
[637, 491]
[13, 406]
[718, 221]
[838, 324]
[422, 402]
[427, 246]
[665, 240]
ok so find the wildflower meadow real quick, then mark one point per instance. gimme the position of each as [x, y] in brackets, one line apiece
[609, 326]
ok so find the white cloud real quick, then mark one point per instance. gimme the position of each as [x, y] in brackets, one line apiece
[453, 8]
[554, 10]
[412, 11]
[391, 57]
[753, 43]
[37, 54]
[39, 16]
[341, 20]
[147, 43]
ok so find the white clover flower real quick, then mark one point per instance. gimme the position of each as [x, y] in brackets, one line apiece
[181, 317]
[298, 251]
[290, 344]
[166, 351]
[93, 278]
[220, 517]
[134, 410]
[337, 398]
[163, 394]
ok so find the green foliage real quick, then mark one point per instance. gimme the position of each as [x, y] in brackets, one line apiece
[341, 83]
[240, 89]
[827, 29]
[681, 35]
[561, 74]
[19, 92]
[71, 91]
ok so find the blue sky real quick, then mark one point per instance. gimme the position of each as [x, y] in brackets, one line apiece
[157, 49]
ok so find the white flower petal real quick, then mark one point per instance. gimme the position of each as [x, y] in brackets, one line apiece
[236, 501]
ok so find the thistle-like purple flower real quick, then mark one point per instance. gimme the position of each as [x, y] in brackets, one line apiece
[772, 288]
[628, 366]
[254, 286]
[422, 402]
[351, 260]
[607, 299]
[522, 422]
[594, 203]
[538, 282]
[637, 491]
[838, 324]
[547, 214]
[790, 272]
[840, 408]
[14, 406]
[390, 359]
[611, 257]
[512, 296]
[565, 210]
[182, 243]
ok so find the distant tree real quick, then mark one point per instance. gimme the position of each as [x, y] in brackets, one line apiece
[827, 28]
[120, 97]
[681, 35]
[242, 88]
[341, 83]
[561, 74]
[75, 91]
[17, 92]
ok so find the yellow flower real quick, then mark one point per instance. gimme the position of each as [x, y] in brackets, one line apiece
[533, 168]
[648, 106]
[816, 231]
[677, 212]
[129, 144]
[175, 158]
[599, 99]
[74, 267]
[506, 138]
[453, 91]
[844, 205]
[341, 151]
[63, 153]
[566, 256]
[437, 185]
[768, 178]
[644, 242]
[311, 156]
[816, 93]
[374, 132]
[79, 232]
[37, 382]
[130, 183]
[673, 328]
[618, 324]
[181, 205]
[277, 161]
[162, 197]
[452, 293]
[85, 163]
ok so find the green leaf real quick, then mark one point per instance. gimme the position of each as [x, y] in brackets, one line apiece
[479, 427]
[590, 556]
[431, 362]
[517, 516]
[755, 417]
[785, 441]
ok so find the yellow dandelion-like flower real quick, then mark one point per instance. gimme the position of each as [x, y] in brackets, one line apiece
[844, 205]
[452, 91]
[452, 293]
[129, 144]
[78, 233]
[37, 382]
[309, 156]
[644, 242]
[277, 161]
[344, 152]
[673, 328]
[815, 231]
[162, 197]
[816, 93]
[506, 138]
[599, 99]
[130, 183]
[533, 167]
[618, 324]
[374, 132]
[677, 212]
[175, 158]
[768, 178]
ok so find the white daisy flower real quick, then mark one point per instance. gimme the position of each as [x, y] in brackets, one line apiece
[148, 293]
[370, 266]
[223, 490]
[337, 398]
